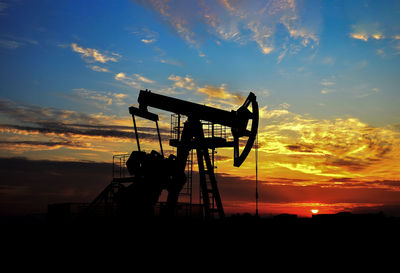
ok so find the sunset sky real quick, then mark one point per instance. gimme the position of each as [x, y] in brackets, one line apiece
[325, 73]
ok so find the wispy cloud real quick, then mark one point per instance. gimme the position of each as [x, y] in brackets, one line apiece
[328, 61]
[3, 7]
[328, 85]
[327, 82]
[146, 35]
[163, 58]
[98, 68]
[94, 55]
[34, 114]
[142, 78]
[10, 44]
[240, 22]
[99, 99]
[380, 52]
[134, 81]
[366, 92]
[171, 61]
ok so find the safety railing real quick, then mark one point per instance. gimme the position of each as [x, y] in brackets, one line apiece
[119, 169]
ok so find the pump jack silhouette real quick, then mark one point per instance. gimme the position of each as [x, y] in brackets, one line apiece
[150, 173]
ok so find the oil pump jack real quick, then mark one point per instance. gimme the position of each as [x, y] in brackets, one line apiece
[151, 173]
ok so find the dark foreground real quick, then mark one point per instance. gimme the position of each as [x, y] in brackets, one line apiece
[283, 226]
[245, 240]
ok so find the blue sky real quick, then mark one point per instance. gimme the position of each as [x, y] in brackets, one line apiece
[359, 77]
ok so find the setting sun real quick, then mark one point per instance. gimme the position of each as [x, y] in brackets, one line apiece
[314, 211]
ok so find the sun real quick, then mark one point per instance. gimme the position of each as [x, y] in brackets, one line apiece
[314, 211]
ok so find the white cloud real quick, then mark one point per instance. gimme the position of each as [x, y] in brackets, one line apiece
[148, 41]
[120, 76]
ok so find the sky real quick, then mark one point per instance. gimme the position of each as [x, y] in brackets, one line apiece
[325, 73]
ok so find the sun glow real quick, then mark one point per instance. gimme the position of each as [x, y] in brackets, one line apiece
[314, 211]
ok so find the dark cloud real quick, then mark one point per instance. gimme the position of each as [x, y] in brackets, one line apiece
[45, 120]
[301, 148]
[83, 130]
[392, 184]
[349, 163]
[66, 130]
[42, 143]
[119, 127]
[36, 114]
[342, 179]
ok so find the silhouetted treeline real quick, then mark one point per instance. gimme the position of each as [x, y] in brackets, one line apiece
[342, 218]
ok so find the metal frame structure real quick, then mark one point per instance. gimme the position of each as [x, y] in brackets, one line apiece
[151, 173]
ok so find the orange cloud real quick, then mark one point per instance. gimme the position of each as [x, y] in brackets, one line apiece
[359, 36]
[214, 91]
[186, 82]
[364, 32]
[314, 151]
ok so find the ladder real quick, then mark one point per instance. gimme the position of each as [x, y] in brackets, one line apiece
[209, 194]
[186, 194]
